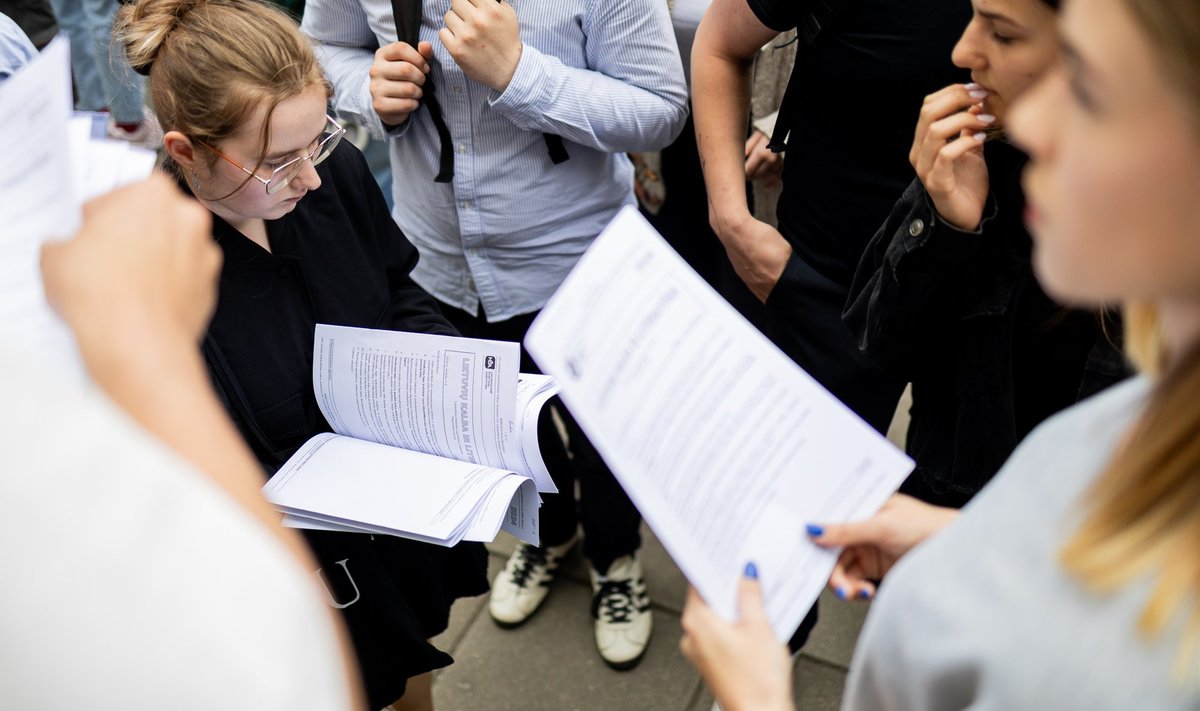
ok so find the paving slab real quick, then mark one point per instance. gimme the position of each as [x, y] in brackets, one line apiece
[550, 664]
[816, 687]
[837, 630]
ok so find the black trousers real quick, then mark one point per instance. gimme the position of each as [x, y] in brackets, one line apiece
[804, 318]
[609, 519]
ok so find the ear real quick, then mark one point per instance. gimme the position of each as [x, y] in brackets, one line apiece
[179, 147]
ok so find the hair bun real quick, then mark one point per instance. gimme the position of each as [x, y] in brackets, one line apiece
[143, 27]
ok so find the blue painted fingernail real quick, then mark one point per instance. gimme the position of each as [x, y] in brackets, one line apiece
[814, 530]
[751, 571]
[841, 593]
[864, 594]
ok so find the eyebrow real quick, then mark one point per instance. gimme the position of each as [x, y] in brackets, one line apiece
[281, 154]
[996, 17]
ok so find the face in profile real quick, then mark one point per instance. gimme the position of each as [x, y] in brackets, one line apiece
[297, 125]
[1111, 188]
[1007, 46]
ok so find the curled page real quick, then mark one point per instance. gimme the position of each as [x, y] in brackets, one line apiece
[726, 447]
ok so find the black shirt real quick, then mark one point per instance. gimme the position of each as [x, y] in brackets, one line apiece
[861, 88]
[337, 258]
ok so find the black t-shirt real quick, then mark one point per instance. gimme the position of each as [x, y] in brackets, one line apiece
[861, 88]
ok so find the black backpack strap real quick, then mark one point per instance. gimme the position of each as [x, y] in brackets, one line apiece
[407, 14]
[820, 14]
[555, 147]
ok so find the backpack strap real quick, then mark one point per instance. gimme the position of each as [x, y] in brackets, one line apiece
[820, 14]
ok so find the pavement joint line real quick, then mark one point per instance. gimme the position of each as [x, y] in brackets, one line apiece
[821, 662]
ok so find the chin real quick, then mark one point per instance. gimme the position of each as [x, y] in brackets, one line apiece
[1066, 285]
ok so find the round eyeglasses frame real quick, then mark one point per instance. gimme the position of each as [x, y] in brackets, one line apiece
[286, 173]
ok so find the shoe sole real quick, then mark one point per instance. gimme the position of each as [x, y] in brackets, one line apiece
[505, 625]
[502, 624]
[630, 663]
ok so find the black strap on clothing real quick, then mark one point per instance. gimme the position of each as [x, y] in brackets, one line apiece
[820, 13]
[407, 14]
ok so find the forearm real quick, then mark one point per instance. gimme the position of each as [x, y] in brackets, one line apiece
[720, 104]
[162, 384]
[594, 109]
[912, 277]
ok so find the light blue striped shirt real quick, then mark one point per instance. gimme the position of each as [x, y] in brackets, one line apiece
[603, 74]
[15, 48]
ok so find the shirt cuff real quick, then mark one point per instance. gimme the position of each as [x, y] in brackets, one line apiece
[529, 87]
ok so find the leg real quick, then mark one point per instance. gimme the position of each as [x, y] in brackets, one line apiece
[122, 88]
[418, 695]
[521, 588]
[72, 19]
[804, 318]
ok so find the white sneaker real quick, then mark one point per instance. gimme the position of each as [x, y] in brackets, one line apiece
[520, 588]
[621, 609]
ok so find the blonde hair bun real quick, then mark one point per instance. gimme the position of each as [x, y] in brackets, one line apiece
[144, 26]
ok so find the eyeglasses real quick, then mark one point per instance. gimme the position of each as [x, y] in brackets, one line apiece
[284, 174]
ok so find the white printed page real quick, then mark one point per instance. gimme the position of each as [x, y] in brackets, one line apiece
[533, 392]
[726, 447]
[350, 482]
[442, 395]
[37, 203]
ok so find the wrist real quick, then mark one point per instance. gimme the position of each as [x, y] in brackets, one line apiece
[732, 223]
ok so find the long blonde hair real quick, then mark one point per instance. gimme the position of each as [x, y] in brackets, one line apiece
[1144, 511]
[212, 63]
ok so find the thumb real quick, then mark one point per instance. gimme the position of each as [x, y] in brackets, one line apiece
[426, 50]
[868, 532]
[751, 607]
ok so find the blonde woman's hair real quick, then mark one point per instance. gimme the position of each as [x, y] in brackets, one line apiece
[213, 63]
[1144, 510]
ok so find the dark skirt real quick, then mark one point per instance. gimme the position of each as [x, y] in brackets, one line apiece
[394, 595]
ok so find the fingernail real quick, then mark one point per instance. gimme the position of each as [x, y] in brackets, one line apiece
[841, 593]
[864, 594]
[981, 136]
[978, 94]
[986, 118]
[751, 571]
[814, 530]
[973, 87]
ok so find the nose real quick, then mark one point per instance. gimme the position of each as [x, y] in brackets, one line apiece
[967, 53]
[308, 176]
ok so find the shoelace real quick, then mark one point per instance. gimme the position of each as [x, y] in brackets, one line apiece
[531, 558]
[616, 599]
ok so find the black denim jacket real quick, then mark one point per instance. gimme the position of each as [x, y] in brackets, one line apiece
[960, 315]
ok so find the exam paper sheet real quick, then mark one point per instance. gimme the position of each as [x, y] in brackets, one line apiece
[726, 447]
[37, 202]
[452, 397]
[367, 487]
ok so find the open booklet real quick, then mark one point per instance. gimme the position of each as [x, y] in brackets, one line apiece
[726, 447]
[436, 439]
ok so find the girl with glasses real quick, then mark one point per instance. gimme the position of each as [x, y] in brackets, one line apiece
[306, 238]
[1072, 581]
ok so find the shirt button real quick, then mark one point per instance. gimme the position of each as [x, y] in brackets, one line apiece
[462, 148]
[466, 204]
[916, 227]
[456, 90]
